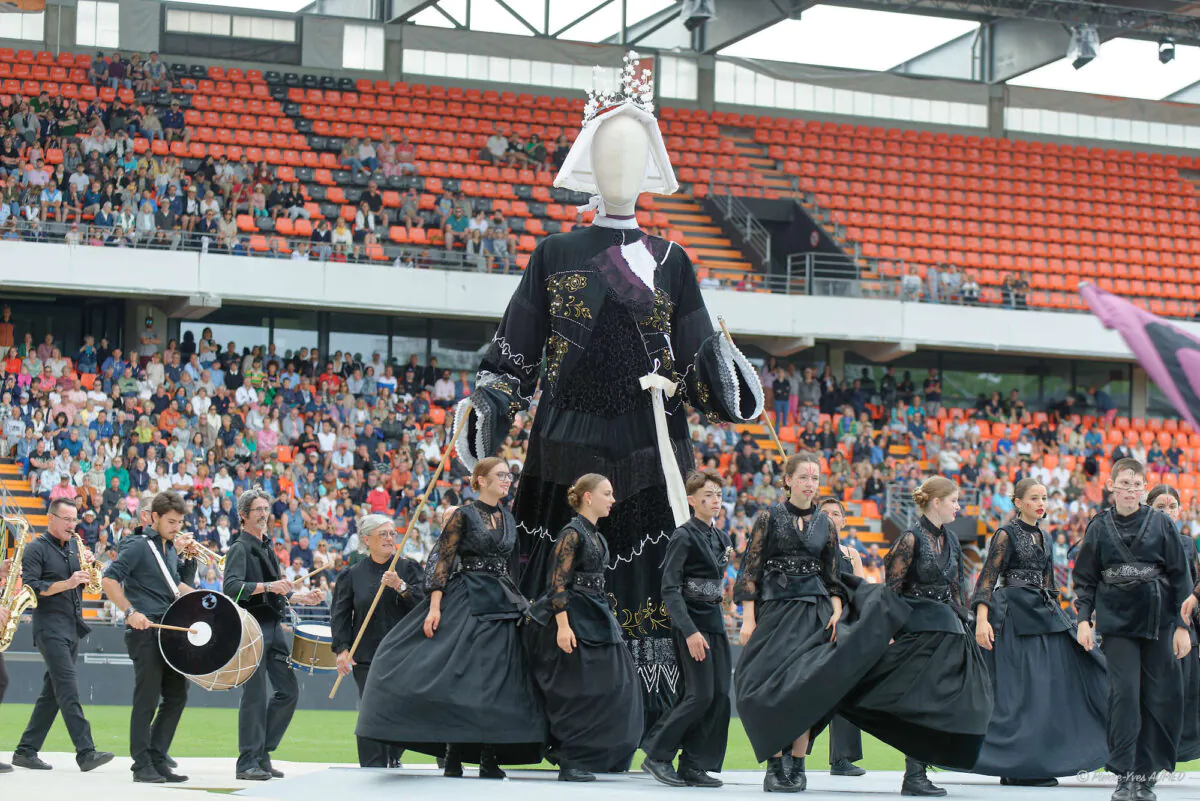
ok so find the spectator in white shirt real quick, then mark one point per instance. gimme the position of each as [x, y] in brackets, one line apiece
[245, 394]
[326, 438]
[201, 403]
[443, 390]
[429, 449]
[366, 154]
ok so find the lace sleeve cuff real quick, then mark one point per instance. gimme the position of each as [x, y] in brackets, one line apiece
[727, 386]
[490, 410]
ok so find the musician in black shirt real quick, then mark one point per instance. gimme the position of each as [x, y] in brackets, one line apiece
[692, 575]
[1133, 573]
[5, 566]
[254, 580]
[143, 581]
[51, 568]
[352, 597]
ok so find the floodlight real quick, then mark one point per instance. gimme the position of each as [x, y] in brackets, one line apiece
[1166, 49]
[1084, 46]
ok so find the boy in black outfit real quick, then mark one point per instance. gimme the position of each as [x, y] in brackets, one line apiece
[1133, 572]
[693, 573]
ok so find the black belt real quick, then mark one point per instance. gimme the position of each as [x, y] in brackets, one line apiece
[1024, 578]
[589, 582]
[794, 565]
[496, 565]
[1131, 573]
[932, 592]
[702, 589]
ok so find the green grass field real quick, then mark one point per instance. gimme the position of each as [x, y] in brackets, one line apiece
[329, 737]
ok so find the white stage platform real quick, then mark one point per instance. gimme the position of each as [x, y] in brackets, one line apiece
[308, 781]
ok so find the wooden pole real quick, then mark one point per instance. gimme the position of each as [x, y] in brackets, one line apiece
[412, 521]
[172, 628]
[766, 418]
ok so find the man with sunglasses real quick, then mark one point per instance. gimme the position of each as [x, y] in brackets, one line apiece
[52, 568]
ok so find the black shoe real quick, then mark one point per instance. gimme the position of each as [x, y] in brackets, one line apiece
[148, 775]
[844, 767]
[1126, 789]
[552, 757]
[916, 782]
[255, 774]
[171, 776]
[566, 774]
[275, 774]
[777, 779]
[93, 759]
[796, 772]
[452, 764]
[489, 768]
[1144, 791]
[1028, 782]
[31, 762]
[663, 771]
[694, 777]
[170, 763]
[5, 767]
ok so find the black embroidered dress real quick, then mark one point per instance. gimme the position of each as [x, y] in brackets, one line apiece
[593, 697]
[930, 695]
[790, 676]
[601, 329]
[1041, 677]
[469, 683]
[1189, 739]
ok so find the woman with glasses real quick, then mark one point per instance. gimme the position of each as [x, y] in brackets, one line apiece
[353, 595]
[451, 678]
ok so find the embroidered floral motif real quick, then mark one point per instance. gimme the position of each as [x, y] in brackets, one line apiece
[658, 320]
[556, 348]
[647, 619]
[564, 304]
[567, 282]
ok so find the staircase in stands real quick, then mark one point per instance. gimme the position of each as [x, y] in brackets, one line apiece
[711, 250]
[19, 496]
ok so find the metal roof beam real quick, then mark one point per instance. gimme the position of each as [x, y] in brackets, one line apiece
[403, 10]
[735, 21]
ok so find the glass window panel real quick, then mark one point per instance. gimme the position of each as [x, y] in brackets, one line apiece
[561, 74]
[85, 23]
[902, 108]
[373, 58]
[1050, 122]
[1087, 125]
[1175, 136]
[108, 25]
[518, 69]
[33, 26]
[581, 77]
[243, 27]
[295, 329]
[1139, 131]
[805, 97]
[541, 73]
[284, 30]
[921, 110]
[478, 65]
[1068, 124]
[764, 90]
[409, 335]
[1157, 133]
[435, 62]
[723, 83]
[1121, 129]
[687, 79]
[939, 112]
[863, 104]
[262, 27]
[460, 344]
[498, 69]
[1105, 127]
[414, 61]
[1191, 136]
[1110, 377]
[843, 102]
[456, 65]
[177, 20]
[359, 335]
[785, 94]
[822, 99]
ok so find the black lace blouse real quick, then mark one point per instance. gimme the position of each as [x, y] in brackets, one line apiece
[476, 538]
[580, 558]
[925, 567]
[1018, 555]
[792, 553]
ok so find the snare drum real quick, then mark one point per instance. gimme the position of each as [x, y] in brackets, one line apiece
[225, 644]
[312, 649]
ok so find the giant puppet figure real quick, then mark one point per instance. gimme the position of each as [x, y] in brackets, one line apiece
[610, 321]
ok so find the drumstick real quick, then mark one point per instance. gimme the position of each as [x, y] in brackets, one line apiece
[172, 628]
[766, 418]
[310, 575]
[412, 522]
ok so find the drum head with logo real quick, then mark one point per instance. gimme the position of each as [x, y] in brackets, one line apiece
[215, 637]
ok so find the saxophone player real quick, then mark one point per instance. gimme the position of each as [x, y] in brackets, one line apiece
[143, 581]
[53, 569]
[5, 566]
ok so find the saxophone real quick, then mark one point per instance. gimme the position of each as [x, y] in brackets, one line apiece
[87, 561]
[15, 598]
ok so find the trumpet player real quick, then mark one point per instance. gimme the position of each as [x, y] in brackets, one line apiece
[55, 569]
[143, 581]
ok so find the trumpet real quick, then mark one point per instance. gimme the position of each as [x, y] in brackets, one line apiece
[205, 556]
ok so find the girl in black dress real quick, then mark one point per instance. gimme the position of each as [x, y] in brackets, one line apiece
[1040, 675]
[799, 659]
[591, 690]
[1165, 499]
[930, 695]
[453, 671]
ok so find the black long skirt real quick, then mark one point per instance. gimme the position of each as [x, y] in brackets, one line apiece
[1044, 685]
[790, 677]
[593, 699]
[468, 685]
[1189, 741]
[929, 697]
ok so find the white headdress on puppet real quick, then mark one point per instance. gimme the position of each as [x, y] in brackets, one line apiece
[635, 98]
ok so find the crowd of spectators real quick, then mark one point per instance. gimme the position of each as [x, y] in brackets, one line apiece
[335, 436]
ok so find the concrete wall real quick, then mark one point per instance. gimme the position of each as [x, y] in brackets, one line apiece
[160, 278]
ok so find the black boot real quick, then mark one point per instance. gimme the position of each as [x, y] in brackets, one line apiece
[569, 774]
[1126, 788]
[489, 768]
[796, 773]
[916, 782]
[452, 766]
[777, 779]
[844, 767]
[1144, 791]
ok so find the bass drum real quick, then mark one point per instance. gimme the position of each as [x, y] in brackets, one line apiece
[224, 646]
